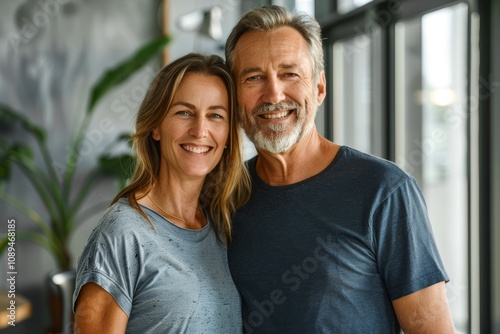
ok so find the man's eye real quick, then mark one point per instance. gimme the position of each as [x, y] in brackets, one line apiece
[290, 75]
[254, 78]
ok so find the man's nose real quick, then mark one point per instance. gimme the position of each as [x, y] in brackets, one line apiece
[274, 91]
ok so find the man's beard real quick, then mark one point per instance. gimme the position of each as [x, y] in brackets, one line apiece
[274, 137]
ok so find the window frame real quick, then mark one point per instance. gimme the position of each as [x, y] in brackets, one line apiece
[480, 148]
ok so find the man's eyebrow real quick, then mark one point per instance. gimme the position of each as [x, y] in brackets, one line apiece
[289, 66]
[249, 70]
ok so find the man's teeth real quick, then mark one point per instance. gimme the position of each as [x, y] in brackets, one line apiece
[196, 149]
[276, 115]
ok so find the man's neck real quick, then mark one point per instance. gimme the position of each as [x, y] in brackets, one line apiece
[310, 156]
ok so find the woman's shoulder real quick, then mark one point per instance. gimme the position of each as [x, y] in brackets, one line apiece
[121, 217]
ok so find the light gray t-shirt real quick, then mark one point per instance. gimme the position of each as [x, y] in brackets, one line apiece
[171, 280]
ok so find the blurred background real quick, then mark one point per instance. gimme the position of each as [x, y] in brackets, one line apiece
[414, 82]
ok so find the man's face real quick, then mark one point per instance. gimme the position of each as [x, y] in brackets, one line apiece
[277, 94]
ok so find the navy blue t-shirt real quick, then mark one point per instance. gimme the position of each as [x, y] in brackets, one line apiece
[328, 254]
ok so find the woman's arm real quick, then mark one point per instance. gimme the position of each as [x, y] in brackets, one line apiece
[98, 312]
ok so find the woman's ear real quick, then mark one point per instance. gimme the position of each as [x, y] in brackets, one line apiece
[155, 134]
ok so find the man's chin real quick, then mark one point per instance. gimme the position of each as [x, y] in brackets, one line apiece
[274, 145]
[279, 142]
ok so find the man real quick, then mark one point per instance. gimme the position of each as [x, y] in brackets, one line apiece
[332, 240]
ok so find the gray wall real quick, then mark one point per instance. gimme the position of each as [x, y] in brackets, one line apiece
[49, 58]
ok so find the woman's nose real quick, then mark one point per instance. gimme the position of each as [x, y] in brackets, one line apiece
[199, 128]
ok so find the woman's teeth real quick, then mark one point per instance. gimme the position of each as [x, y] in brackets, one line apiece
[196, 149]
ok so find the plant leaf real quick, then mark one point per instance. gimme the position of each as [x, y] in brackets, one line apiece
[16, 151]
[28, 212]
[4, 163]
[48, 190]
[125, 137]
[21, 153]
[120, 167]
[3, 243]
[123, 71]
[9, 115]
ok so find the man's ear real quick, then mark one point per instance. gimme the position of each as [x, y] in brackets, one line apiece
[321, 86]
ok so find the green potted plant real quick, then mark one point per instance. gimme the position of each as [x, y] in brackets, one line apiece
[55, 185]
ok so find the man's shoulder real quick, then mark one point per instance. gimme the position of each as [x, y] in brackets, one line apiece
[365, 171]
[368, 164]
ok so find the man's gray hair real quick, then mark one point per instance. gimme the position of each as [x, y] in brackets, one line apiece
[268, 18]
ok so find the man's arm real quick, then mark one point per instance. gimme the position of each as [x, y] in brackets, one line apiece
[98, 312]
[425, 311]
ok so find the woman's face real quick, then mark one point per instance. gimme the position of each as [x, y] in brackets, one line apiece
[195, 129]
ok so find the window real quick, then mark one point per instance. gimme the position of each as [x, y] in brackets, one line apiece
[351, 92]
[357, 120]
[344, 6]
[399, 79]
[431, 133]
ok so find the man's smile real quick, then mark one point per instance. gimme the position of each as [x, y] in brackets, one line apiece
[281, 114]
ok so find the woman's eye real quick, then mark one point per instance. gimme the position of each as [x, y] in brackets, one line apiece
[217, 116]
[183, 113]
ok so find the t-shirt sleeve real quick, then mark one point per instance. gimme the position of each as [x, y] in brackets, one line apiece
[407, 254]
[110, 261]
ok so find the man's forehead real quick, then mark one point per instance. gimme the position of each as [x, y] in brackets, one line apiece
[284, 48]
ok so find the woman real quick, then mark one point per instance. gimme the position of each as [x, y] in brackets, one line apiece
[156, 263]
